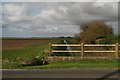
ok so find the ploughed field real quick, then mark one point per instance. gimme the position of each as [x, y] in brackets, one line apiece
[8, 44]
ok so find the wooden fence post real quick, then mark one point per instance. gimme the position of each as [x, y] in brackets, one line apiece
[50, 47]
[82, 49]
[116, 50]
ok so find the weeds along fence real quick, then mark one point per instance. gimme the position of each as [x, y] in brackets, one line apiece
[114, 48]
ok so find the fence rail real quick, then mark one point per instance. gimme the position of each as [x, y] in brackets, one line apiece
[84, 45]
[82, 51]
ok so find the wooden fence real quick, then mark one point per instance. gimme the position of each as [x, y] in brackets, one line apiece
[82, 51]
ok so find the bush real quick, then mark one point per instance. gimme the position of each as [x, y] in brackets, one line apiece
[35, 60]
[109, 40]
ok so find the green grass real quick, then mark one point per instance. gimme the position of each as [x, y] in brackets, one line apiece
[25, 52]
[14, 65]
[108, 64]
[81, 64]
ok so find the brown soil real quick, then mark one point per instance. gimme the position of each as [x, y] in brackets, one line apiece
[8, 44]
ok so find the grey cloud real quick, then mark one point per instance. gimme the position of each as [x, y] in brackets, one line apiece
[41, 16]
[107, 9]
[75, 11]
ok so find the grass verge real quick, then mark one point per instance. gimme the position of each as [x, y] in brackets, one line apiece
[11, 58]
[26, 52]
[108, 64]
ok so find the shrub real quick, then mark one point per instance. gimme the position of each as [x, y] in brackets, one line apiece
[35, 60]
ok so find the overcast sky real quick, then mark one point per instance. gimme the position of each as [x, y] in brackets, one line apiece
[54, 19]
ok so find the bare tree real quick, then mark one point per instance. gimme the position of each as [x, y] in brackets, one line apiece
[94, 30]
